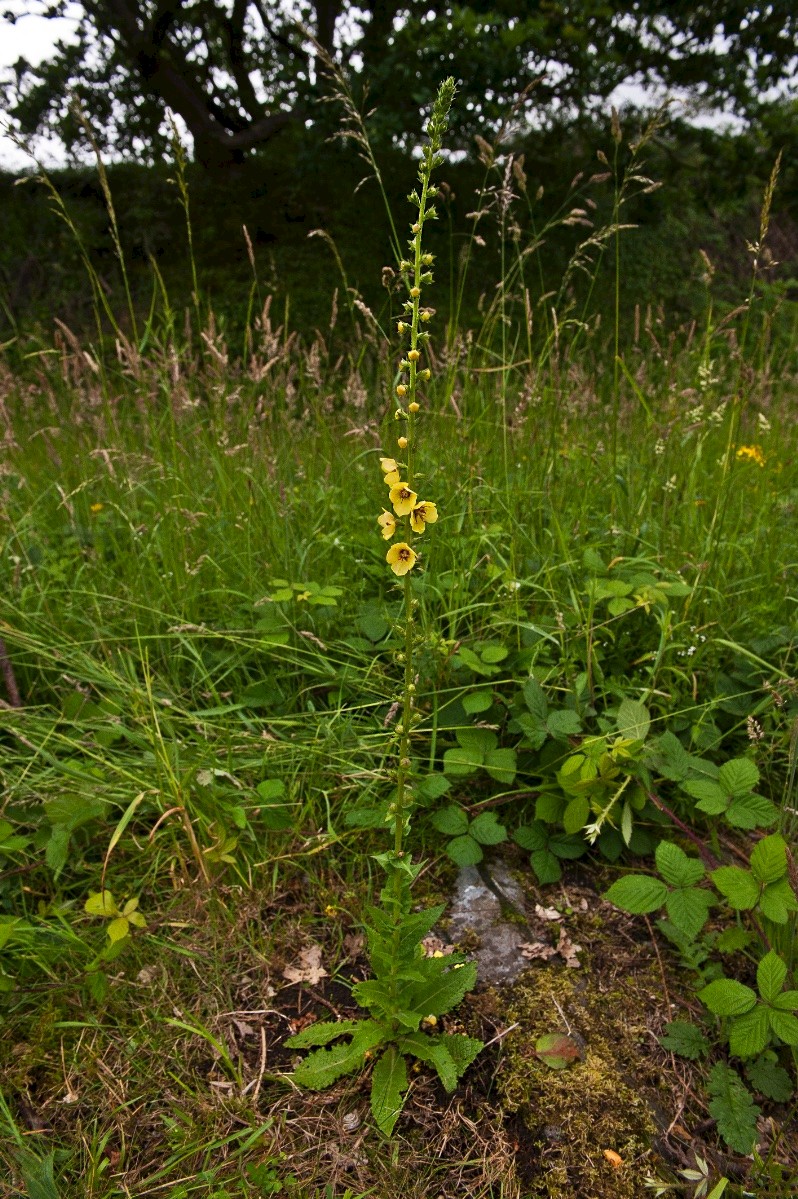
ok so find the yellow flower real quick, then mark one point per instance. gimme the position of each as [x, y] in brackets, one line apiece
[415, 291]
[422, 515]
[403, 499]
[390, 470]
[402, 443]
[96, 507]
[388, 523]
[413, 355]
[401, 558]
[401, 391]
[751, 453]
[414, 407]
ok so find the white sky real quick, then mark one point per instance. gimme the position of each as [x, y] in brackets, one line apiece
[33, 37]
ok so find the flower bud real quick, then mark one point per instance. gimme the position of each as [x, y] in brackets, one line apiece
[413, 355]
[402, 327]
[415, 228]
[414, 407]
[402, 443]
[401, 391]
[426, 373]
[415, 291]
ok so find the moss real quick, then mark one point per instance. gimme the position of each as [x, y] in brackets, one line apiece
[568, 1118]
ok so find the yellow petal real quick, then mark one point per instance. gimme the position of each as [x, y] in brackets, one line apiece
[388, 524]
[401, 558]
[422, 515]
[403, 499]
[387, 465]
[392, 478]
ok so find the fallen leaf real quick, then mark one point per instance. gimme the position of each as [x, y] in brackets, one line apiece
[308, 968]
[568, 950]
[537, 949]
[547, 913]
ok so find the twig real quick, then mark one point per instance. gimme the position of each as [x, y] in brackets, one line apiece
[7, 671]
[705, 854]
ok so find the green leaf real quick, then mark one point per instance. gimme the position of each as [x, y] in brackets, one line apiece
[576, 814]
[787, 1001]
[737, 885]
[270, 789]
[685, 1039]
[738, 776]
[727, 997]
[320, 1033]
[460, 762]
[688, 908]
[531, 836]
[546, 866]
[493, 654]
[37, 1176]
[711, 798]
[769, 859]
[563, 723]
[388, 1086]
[771, 974]
[557, 1050]
[73, 810]
[770, 1079]
[676, 867]
[465, 851]
[633, 720]
[501, 765]
[443, 993]
[567, 845]
[322, 1067]
[56, 852]
[784, 1025]
[118, 929]
[477, 701]
[751, 811]
[461, 1049]
[733, 1108]
[477, 741]
[486, 829]
[432, 787]
[749, 1033]
[733, 939]
[777, 901]
[101, 904]
[637, 893]
[452, 821]
[535, 699]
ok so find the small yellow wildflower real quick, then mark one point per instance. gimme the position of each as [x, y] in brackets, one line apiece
[413, 355]
[401, 558]
[96, 507]
[415, 291]
[388, 523]
[402, 443]
[751, 453]
[390, 470]
[425, 374]
[401, 328]
[414, 407]
[403, 499]
[422, 515]
[426, 315]
[401, 391]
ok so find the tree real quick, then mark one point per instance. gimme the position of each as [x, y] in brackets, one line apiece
[239, 71]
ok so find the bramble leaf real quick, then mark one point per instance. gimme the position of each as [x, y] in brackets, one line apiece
[688, 908]
[486, 829]
[769, 859]
[637, 893]
[452, 821]
[685, 1039]
[737, 885]
[465, 851]
[750, 1032]
[733, 1108]
[676, 867]
[770, 976]
[771, 1079]
[727, 997]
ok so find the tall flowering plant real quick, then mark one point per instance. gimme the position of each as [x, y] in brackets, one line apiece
[408, 990]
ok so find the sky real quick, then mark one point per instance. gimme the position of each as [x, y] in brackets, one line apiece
[34, 36]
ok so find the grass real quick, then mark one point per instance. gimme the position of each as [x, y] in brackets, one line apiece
[194, 603]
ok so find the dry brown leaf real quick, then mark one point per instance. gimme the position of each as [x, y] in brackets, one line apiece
[568, 950]
[308, 967]
[537, 950]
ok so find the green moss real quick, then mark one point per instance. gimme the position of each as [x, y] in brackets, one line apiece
[601, 1103]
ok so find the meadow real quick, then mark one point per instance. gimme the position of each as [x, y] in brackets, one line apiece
[202, 663]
